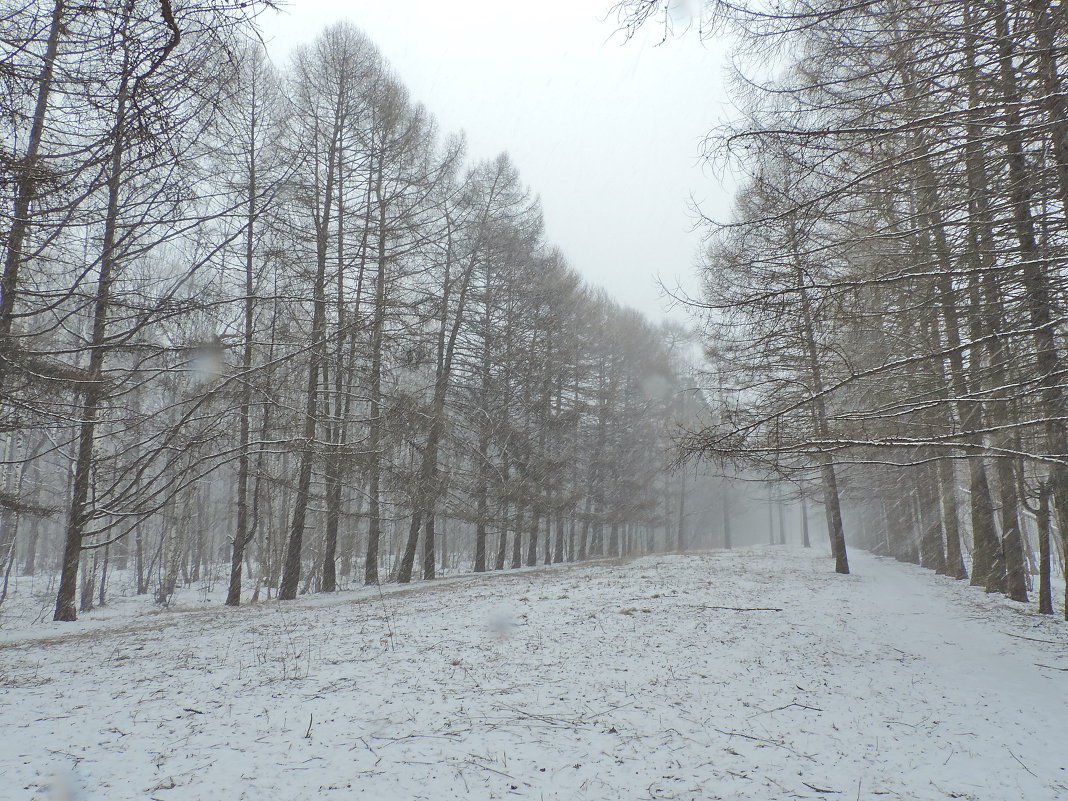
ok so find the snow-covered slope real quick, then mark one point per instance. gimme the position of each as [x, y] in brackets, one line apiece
[608, 681]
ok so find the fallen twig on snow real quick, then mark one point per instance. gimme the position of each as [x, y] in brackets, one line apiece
[766, 741]
[1032, 639]
[742, 608]
[821, 789]
[787, 706]
[1022, 765]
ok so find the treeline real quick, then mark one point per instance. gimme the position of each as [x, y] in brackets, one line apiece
[277, 319]
[887, 299]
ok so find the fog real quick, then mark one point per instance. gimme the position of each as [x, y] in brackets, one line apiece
[606, 130]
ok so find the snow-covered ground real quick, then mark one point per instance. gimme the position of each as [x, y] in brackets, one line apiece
[608, 681]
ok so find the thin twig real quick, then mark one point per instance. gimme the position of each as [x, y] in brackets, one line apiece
[742, 608]
[1032, 639]
[1022, 765]
[821, 789]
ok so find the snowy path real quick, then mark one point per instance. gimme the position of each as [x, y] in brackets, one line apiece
[602, 682]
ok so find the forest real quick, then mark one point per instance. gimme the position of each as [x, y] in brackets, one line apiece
[884, 308]
[275, 317]
[325, 472]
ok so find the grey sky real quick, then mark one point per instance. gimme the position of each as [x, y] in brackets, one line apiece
[605, 131]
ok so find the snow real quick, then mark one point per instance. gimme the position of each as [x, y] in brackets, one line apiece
[605, 681]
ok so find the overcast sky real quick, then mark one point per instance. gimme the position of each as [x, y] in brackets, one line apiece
[605, 131]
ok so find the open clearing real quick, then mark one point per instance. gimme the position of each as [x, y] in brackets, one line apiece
[606, 681]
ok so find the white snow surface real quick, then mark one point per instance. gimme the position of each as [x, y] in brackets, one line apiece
[615, 680]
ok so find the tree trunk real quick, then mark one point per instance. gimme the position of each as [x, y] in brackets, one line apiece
[680, 544]
[1042, 521]
[517, 537]
[558, 549]
[932, 549]
[80, 512]
[374, 434]
[832, 507]
[951, 521]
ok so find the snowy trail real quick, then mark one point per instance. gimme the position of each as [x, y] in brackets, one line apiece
[610, 681]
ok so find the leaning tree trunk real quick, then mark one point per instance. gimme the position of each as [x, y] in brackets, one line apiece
[25, 184]
[831, 503]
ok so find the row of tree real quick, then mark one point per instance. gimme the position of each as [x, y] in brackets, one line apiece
[887, 301]
[276, 320]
